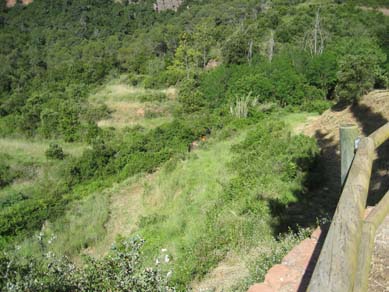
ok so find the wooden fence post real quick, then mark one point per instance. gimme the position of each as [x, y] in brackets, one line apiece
[348, 134]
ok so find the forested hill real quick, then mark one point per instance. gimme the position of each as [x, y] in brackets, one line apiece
[66, 46]
[96, 94]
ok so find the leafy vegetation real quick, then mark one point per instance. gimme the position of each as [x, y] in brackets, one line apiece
[6, 174]
[55, 152]
[84, 104]
[121, 270]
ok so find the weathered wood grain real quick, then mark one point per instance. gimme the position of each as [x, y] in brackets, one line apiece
[336, 267]
[380, 135]
[361, 281]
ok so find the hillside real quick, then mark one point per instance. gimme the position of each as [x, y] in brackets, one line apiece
[157, 146]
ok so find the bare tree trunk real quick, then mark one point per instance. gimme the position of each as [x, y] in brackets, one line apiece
[271, 44]
[250, 52]
[187, 66]
[318, 36]
[315, 32]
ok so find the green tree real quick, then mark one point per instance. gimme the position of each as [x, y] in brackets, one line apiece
[203, 39]
[186, 58]
[356, 77]
[236, 47]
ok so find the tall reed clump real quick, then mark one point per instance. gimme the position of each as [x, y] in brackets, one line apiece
[240, 106]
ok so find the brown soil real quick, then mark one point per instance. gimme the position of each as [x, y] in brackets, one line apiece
[371, 113]
[379, 274]
[329, 122]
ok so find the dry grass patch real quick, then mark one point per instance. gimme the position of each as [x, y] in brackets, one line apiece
[132, 106]
[29, 150]
[126, 206]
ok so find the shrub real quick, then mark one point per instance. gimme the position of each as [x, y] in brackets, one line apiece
[355, 78]
[191, 99]
[121, 270]
[55, 152]
[6, 174]
[317, 106]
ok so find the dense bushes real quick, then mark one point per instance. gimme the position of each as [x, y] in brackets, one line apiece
[135, 151]
[268, 162]
[357, 76]
[122, 270]
[55, 152]
[43, 87]
[278, 82]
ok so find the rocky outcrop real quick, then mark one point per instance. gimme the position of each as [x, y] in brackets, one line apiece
[162, 5]
[12, 3]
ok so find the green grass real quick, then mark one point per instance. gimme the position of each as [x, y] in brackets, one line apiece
[221, 198]
[31, 151]
[80, 227]
[294, 120]
[199, 206]
[181, 202]
[119, 90]
[182, 191]
[28, 159]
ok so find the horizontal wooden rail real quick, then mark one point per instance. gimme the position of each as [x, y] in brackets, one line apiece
[344, 261]
[381, 135]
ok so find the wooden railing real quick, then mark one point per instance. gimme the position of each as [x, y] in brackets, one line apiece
[345, 259]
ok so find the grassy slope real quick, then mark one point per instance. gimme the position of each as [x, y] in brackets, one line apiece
[28, 158]
[167, 208]
[34, 151]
